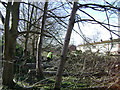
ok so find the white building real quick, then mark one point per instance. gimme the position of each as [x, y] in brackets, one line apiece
[102, 47]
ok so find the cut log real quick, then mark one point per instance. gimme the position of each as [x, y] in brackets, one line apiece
[51, 73]
[33, 65]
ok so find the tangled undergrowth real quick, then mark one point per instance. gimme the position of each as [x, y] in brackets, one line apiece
[82, 70]
[93, 69]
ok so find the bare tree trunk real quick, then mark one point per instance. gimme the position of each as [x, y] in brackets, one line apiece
[65, 47]
[33, 46]
[5, 63]
[10, 44]
[40, 42]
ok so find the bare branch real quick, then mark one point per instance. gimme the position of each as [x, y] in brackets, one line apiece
[3, 3]
[23, 32]
[54, 37]
[2, 18]
[93, 19]
[35, 32]
[92, 5]
[100, 24]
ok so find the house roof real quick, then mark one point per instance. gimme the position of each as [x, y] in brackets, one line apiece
[102, 42]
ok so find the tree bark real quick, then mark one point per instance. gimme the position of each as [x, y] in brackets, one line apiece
[40, 42]
[65, 48]
[33, 46]
[10, 44]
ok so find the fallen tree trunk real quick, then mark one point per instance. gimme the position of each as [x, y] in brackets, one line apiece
[33, 65]
[50, 73]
